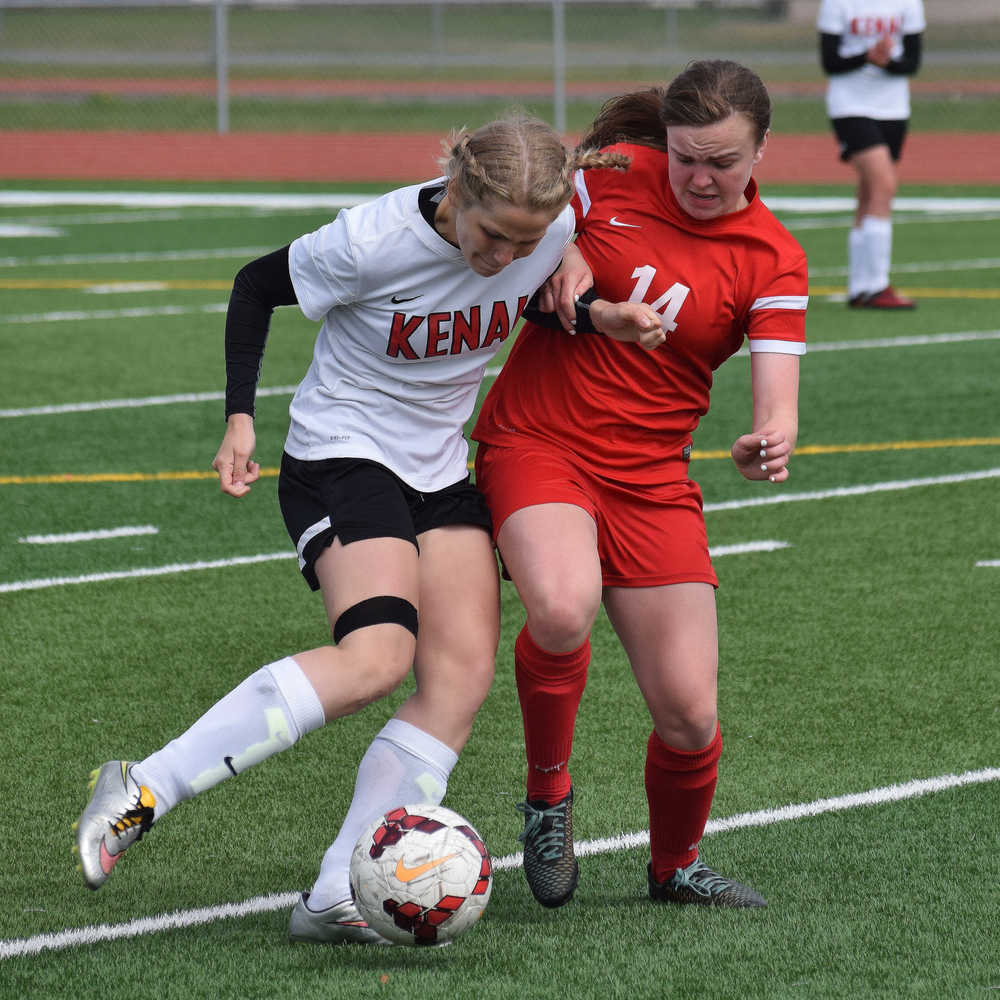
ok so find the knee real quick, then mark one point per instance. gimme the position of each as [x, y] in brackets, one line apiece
[687, 726]
[880, 194]
[377, 663]
[381, 671]
[559, 621]
[378, 636]
[463, 688]
[446, 702]
[478, 678]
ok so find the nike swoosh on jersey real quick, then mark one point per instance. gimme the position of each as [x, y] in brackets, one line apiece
[625, 225]
[397, 299]
[406, 874]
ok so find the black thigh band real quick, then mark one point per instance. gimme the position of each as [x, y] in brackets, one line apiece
[376, 611]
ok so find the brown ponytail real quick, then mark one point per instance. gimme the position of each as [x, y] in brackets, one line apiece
[706, 92]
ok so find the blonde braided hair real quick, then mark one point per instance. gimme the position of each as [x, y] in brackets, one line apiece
[519, 159]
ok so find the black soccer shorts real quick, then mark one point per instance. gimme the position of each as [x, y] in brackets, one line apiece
[858, 134]
[353, 499]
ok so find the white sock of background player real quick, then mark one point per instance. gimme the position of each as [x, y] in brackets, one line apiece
[878, 244]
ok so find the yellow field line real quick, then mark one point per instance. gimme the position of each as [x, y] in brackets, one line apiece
[270, 473]
[847, 449]
[116, 477]
[921, 293]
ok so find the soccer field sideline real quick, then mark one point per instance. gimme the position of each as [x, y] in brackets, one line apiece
[78, 937]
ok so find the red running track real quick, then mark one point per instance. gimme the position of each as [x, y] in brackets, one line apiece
[928, 158]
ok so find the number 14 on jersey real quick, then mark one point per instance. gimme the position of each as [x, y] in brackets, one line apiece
[668, 305]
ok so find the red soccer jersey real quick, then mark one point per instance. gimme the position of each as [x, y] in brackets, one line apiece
[625, 411]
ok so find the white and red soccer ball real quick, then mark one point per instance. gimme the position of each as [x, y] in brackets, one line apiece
[421, 875]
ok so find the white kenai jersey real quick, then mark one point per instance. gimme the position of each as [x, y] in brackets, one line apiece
[869, 92]
[408, 329]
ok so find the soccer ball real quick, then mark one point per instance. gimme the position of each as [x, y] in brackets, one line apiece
[421, 875]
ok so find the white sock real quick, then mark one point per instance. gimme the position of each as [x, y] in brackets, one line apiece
[267, 712]
[878, 243]
[857, 264]
[402, 765]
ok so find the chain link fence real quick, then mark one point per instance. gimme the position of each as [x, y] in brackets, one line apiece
[323, 65]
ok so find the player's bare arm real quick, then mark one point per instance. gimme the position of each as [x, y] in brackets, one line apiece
[560, 293]
[765, 452]
[631, 322]
[234, 460]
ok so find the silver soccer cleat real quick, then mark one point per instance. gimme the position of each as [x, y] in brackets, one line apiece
[337, 924]
[119, 812]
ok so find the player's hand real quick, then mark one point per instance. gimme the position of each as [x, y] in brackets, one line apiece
[234, 459]
[881, 52]
[630, 322]
[762, 455]
[560, 292]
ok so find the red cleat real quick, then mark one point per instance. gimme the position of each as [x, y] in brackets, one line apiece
[888, 298]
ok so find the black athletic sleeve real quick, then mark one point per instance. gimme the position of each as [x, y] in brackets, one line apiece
[833, 62]
[909, 62]
[259, 287]
[550, 320]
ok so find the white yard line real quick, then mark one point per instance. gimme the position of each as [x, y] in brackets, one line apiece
[782, 814]
[929, 340]
[126, 531]
[797, 223]
[132, 216]
[853, 491]
[136, 257]
[185, 199]
[249, 199]
[118, 404]
[745, 548]
[44, 583]
[917, 340]
[228, 253]
[140, 572]
[931, 205]
[715, 551]
[9, 230]
[920, 267]
[80, 936]
[134, 312]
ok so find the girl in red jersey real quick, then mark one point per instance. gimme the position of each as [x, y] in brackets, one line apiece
[585, 440]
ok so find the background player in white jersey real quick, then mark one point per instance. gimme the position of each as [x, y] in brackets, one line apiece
[416, 292]
[869, 49]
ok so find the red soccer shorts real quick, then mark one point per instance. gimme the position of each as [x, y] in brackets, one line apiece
[647, 536]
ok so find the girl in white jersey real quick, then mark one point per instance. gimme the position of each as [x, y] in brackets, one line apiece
[416, 292]
[869, 49]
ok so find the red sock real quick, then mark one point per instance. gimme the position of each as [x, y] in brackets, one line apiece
[549, 686]
[680, 785]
